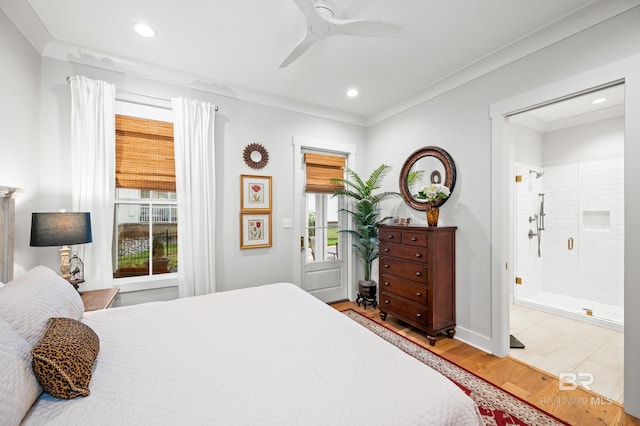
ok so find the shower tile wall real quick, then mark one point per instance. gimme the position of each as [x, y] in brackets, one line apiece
[529, 264]
[561, 223]
[600, 242]
[585, 202]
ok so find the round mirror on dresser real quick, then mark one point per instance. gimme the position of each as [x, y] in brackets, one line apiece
[426, 165]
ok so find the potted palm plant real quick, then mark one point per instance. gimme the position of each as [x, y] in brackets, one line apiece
[364, 210]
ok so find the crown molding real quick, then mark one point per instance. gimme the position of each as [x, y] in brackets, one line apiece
[589, 16]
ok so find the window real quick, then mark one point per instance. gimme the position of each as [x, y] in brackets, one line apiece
[321, 208]
[146, 227]
[322, 227]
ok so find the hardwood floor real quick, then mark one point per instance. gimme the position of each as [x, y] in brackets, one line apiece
[577, 407]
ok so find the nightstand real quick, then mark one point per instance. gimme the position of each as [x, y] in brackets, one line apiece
[98, 299]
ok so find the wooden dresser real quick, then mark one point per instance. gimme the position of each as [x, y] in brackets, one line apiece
[418, 277]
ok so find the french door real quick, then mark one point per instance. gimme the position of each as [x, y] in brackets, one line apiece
[323, 255]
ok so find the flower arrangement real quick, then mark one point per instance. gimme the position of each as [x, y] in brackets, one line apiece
[434, 192]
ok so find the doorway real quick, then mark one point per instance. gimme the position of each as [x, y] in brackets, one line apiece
[323, 261]
[323, 258]
[568, 214]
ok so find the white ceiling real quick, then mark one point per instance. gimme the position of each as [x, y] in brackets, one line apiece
[236, 46]
[575, 110]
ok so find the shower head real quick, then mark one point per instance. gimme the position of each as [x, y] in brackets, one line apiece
[538, 174]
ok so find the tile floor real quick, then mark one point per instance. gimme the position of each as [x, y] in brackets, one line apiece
[555, 344]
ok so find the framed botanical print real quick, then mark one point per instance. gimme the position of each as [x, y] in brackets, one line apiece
[255, 193]
[255, 230]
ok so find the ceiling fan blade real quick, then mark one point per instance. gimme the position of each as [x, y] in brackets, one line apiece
[306, 7]
[299, 50]
[360, 27]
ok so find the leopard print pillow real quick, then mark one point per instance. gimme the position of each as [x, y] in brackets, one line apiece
[63, 358]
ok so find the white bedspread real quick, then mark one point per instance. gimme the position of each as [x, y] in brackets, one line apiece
[270, 355]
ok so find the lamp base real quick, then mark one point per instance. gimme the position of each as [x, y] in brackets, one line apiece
[64, 262]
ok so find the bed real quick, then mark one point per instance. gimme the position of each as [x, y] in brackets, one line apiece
[268, 355]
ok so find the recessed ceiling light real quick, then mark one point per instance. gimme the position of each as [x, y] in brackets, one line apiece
[598, 101]
[352, 93]
[144, 30]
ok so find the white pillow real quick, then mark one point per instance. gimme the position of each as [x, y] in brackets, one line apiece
[18, 385]
[29, 301]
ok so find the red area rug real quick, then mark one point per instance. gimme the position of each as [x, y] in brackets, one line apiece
[497, 406]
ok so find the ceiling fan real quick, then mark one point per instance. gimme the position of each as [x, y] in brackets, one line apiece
[322, 23]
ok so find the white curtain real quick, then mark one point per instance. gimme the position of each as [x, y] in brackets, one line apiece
[93, 173]
[195, 186]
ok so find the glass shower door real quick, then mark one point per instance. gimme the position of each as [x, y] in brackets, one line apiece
[600, 242]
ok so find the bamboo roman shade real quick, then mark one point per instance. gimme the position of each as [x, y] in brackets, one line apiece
[320, 170]
[144, 154]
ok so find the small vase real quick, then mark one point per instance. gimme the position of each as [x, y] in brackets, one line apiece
[432, 215]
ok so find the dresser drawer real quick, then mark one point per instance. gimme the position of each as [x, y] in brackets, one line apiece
[390, 304]
[415, 254]
[403, 269]
[390, 236]
[404, 289]
[414, 238]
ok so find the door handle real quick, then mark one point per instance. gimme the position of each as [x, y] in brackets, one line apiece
[570, 243]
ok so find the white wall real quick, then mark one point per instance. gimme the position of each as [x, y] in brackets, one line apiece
[459, 122]
[19, 121]
[238, 123]
[595, 140]
[527, 146]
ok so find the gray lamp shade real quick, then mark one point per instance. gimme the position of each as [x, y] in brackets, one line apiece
[60, 229]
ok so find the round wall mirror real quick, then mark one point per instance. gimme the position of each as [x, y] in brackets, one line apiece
[430, 164]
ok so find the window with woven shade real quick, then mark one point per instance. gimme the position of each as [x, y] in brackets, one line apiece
[146, 225]
[144, 154]
[321, 170]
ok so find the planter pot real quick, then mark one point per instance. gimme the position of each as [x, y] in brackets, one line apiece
[159, 266]
[367, 291]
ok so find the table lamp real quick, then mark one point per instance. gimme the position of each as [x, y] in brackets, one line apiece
[61, 229]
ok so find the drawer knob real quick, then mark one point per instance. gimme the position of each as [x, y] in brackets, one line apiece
[419, 315]
[414, 239]
[418, 274]
[386, 302]
[386, 283]
[389, 236]
[386, 250]
[386, 266]
[418, 255]
[418, 294]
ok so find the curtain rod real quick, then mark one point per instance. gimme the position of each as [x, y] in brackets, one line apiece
[138, 94]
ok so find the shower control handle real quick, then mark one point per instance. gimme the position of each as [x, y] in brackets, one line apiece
[570, 243]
